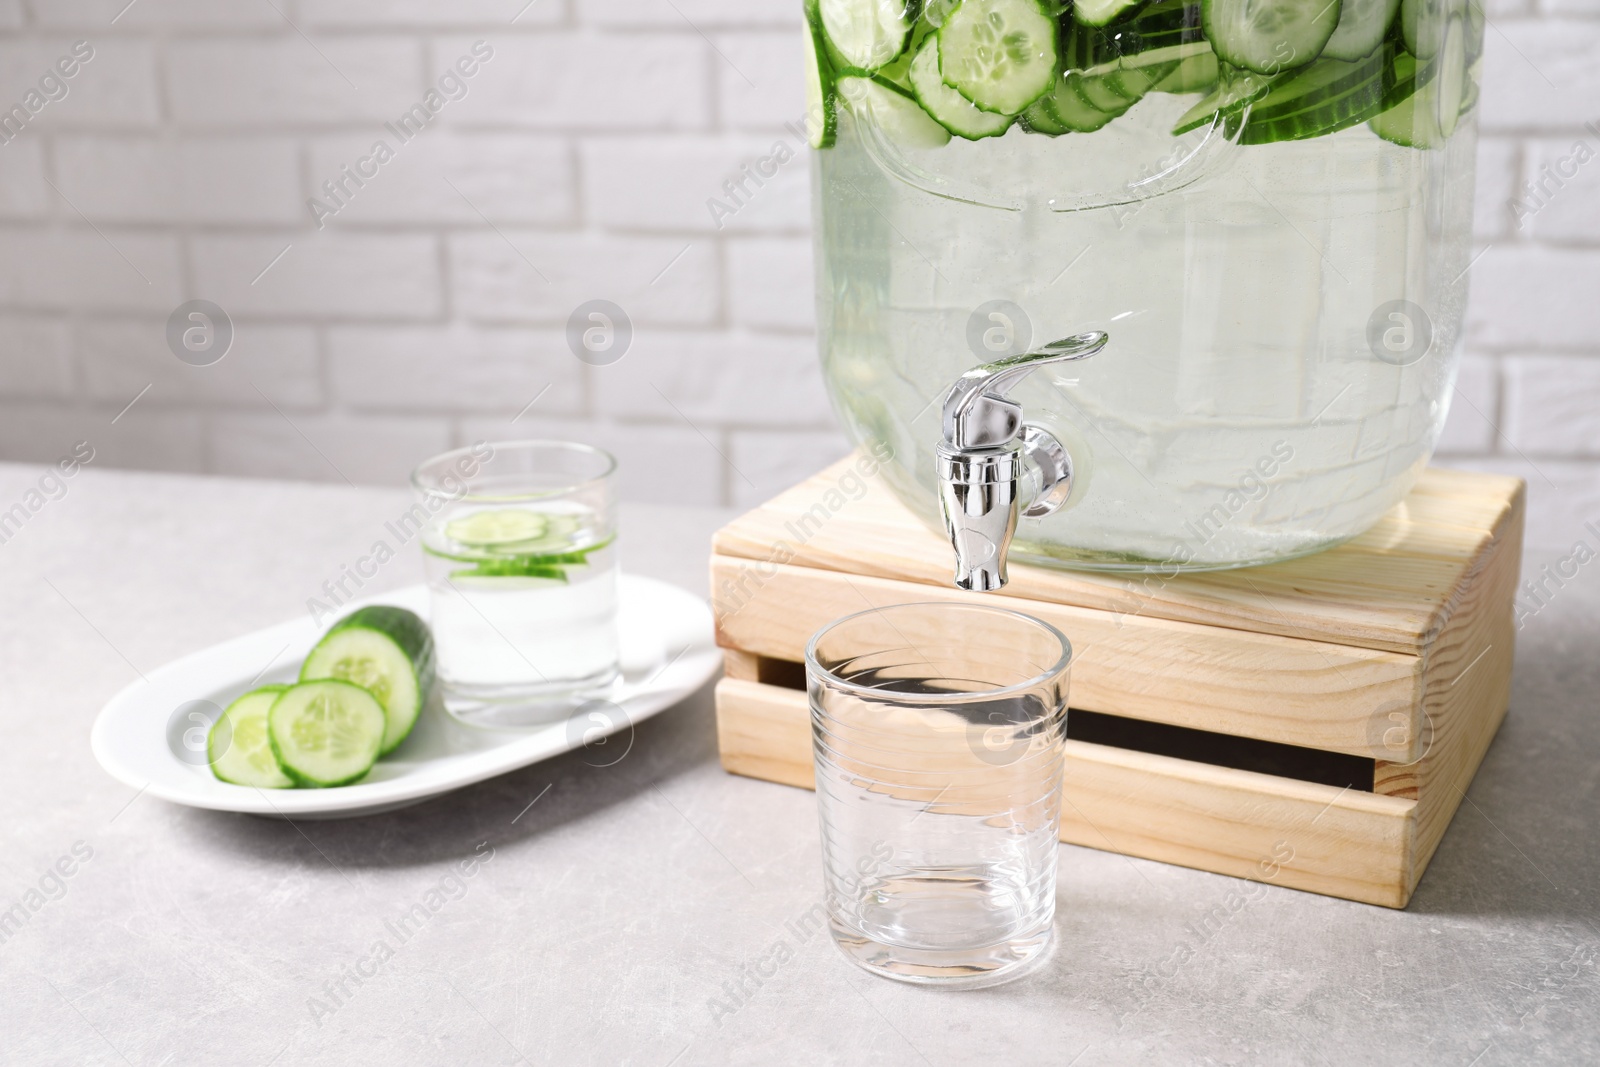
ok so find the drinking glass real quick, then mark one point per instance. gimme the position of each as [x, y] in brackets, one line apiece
[519, 542]
[938, 735]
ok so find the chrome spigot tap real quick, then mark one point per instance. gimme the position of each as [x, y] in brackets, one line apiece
[981, 460]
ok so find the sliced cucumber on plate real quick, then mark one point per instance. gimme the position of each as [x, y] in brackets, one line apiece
[325, 733]
[385, 650]
[1269, 36]
[895, 111]
[237, 746]
[947, 107]
[999, 54]
[867, 34]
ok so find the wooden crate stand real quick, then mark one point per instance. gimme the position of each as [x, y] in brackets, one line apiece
[1383, 664]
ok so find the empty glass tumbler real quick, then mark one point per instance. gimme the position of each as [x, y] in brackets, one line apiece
[938, 735]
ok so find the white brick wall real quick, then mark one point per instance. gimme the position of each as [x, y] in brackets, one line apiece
[429, 311]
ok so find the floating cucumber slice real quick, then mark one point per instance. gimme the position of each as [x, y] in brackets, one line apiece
[822, 117]
[1066, 106]
[502, 526]
[999, 54]
[1104, 12]
[1411, 121]
[237, 746]
[949, 108]
[1135, 82]
[935, 11]
[1040, 118]
[1197, 74]
[1423, 23]
[1100, 93]
[1450, 75]
[895, 111]
[867, 33]
[385, 650]
[1327, 96]
[1163, 25]
[325, 733]
[1362, 25]
[1236, 90]
[1269, 36]
[1156, 57]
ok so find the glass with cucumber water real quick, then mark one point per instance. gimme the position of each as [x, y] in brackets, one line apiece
[521, 560]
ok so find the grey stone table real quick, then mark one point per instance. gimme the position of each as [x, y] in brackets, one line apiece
[621, 917]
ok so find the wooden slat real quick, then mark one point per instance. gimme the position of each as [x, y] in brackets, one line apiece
[1312, 837]
[744, 666]
[1283, 689]
[1381, 590]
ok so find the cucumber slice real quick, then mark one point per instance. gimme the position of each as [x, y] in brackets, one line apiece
[385, 650]
[1269, 36]
[325, 733]
[238, 747]
[1155, 57]
[1423, 22]
[934, 12]
[1039, 118]
[1163, 25]
[1325, 97]
[999, 54]
[868, 33]
[1197, 74]
[1361, 29]
[949, 108]
[1098, 92]
[1104, 12]
[1135, 82]
[822, 115]
[1450, 75]
[501, 526]
[1067, 106]
[1235, 91]
[895, 111]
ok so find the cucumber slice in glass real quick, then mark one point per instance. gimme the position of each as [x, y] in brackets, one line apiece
[1268, 36]
[1039, 118]
[949, 108]
[895, 111]
[1104, 12]
[1362, 25]
[822, 118]
[1423, 23]
[483, 529]
[325, 733]
[237, 746]
[1197, 74]
[1323, 98]
[868, 33]
[1451, 75]
[999, 54]
[1100, 93]
[1236, 90]
[385, 650]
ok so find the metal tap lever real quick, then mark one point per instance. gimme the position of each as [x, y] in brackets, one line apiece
[981, 458]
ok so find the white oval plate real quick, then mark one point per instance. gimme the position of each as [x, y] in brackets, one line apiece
[151, 735]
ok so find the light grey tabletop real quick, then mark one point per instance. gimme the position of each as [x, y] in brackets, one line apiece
[615, 912]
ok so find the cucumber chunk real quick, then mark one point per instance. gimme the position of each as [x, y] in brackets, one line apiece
[1269, 36]
[868, 33]
[385, 650]
[896, 113]
[1362, 25]
[822, 116]
[999, 54]
[947, 107]
[325, 733]
[237, 746]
